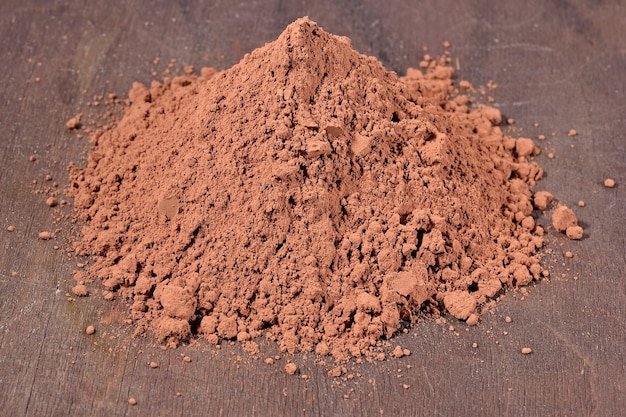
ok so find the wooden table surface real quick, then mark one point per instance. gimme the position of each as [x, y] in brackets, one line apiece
[561, 64]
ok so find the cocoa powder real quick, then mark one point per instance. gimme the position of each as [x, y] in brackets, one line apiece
[308, 195]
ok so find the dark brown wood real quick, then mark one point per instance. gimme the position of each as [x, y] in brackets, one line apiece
[559, 64]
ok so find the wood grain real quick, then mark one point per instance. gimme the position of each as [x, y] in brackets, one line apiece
[559, 64]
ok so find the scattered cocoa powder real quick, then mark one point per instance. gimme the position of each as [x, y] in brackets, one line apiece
[308, 195]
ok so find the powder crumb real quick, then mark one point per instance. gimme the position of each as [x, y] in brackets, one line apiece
[74, 122]
[572, 132]
[251, 347]
[473, 319]
[569, 254]
[10, 228]
[525, 147]
[474, 345]
[465, 85]
[574, 232]
[581, 203]
[153, 365]
[609, 183]
[132, 401]
[406, 386]
[541, 137]
[269, 361]
[80, 290]
[407, 352]
[508, 319]
[243, 336]
[563, 217]
[186, 359]
[542, 199]
[45, 235]
[51, 202]
[322, 349]
[90, 330]
[291, 368]
[527, 350]
[32, 158]
[461, 304]
[335, 372]
[550, 155]
[397, 352]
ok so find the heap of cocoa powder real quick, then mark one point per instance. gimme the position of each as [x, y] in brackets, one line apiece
[307, 195]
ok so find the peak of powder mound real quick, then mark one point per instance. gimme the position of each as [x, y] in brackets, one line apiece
[308, 195]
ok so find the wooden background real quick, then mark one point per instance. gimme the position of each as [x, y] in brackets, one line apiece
[561, 64]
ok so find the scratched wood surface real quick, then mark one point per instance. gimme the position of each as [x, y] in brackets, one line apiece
[561, 64]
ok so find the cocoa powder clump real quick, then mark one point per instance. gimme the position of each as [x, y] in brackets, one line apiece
[309, 195]
[564, 220]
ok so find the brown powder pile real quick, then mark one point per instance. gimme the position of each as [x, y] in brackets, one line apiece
[308, 195]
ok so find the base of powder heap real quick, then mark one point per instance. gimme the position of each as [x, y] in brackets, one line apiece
[309, 196]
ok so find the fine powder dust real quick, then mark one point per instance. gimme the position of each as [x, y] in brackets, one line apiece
[306, 195]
